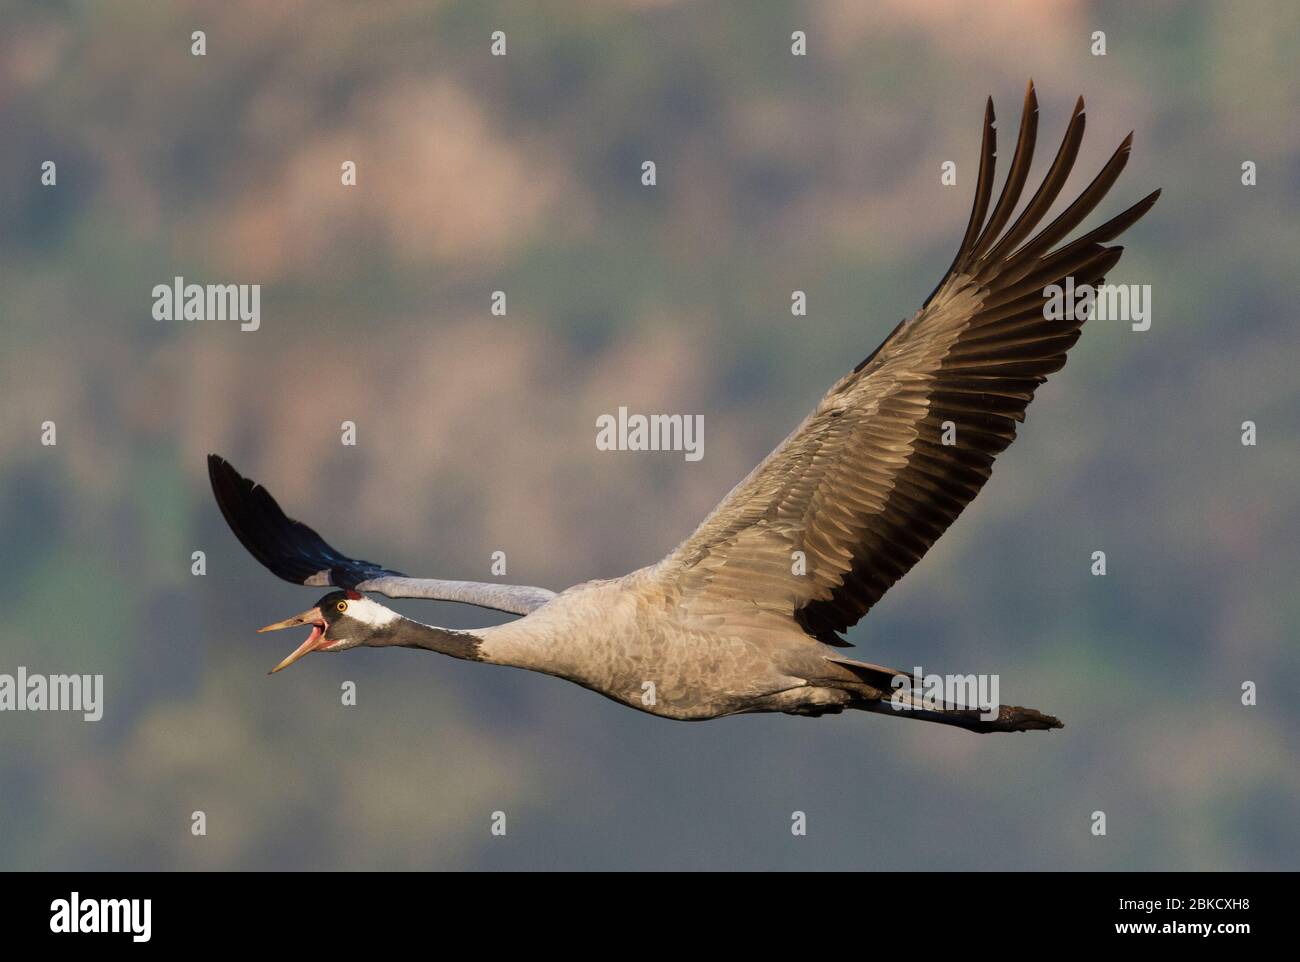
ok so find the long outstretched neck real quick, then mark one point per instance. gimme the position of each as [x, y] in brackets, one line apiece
[405, 633]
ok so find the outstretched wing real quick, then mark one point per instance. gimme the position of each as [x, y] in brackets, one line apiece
[865, 485]
[296, 553]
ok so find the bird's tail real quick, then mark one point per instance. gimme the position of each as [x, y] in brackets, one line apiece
[877, 693]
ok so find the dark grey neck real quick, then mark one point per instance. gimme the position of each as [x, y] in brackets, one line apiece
[406, 633]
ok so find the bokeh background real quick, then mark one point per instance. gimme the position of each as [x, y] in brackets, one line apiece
[476, 433]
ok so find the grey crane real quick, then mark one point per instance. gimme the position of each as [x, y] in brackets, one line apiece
[747, 614]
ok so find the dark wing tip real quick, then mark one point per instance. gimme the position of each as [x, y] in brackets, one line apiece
[288, 548]
[217, 468]
[259, 530]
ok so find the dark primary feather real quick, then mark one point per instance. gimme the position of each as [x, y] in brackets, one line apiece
[865, 485]
[287, 547]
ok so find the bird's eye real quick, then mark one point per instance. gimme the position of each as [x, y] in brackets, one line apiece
[343, 606]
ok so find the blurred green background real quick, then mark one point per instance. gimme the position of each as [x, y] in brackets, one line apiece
[476, 433]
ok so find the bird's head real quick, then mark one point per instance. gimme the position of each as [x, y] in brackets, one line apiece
[340, 620]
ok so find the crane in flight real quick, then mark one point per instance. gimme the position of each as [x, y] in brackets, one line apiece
[748, 613]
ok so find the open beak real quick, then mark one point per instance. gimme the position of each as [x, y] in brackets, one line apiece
[316, 640]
